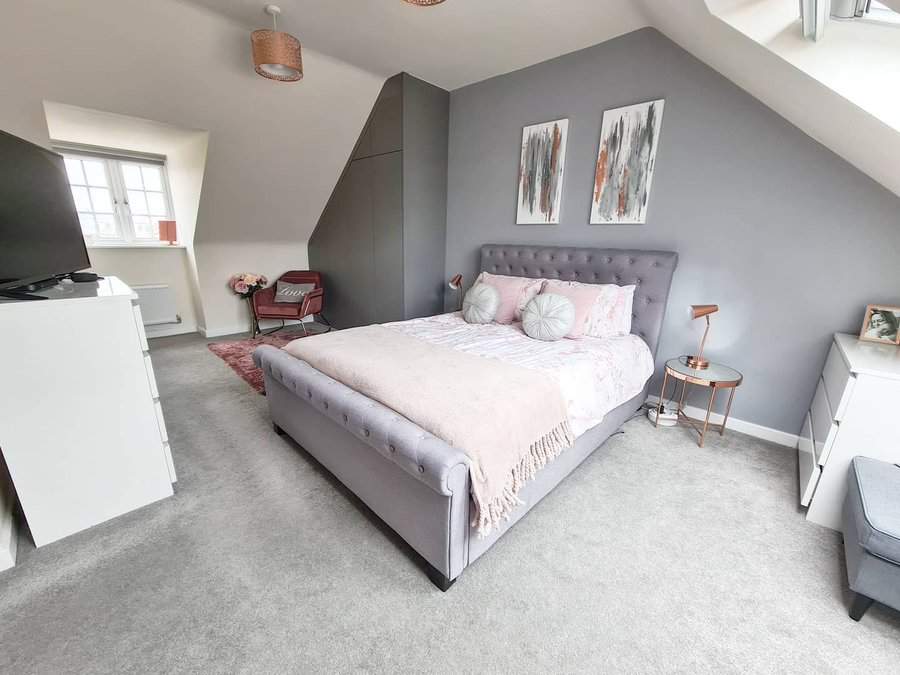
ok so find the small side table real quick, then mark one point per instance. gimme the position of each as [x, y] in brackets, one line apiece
[715, 377]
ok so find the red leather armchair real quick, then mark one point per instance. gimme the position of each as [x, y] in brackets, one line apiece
[265, 307]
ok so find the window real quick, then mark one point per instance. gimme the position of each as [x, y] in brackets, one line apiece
[119, 200]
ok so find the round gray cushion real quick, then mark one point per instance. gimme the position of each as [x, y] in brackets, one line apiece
[548, 317]
[480, 304]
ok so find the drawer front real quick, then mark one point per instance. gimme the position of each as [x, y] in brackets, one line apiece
[139, 320]
[161, 421]
[839, 383]
[170, 463]
[824, 428]
[809, 468]
[151, 376]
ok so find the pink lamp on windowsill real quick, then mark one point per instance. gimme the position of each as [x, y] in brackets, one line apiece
[168, 231]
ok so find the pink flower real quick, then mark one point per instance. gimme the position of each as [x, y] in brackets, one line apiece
[241, 287]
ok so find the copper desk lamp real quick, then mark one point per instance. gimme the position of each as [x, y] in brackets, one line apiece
[698, 362]
[456, 284]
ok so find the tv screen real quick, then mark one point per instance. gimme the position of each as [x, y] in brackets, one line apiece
[40, 236]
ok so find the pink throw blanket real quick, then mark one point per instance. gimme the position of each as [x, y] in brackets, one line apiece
[509, 420]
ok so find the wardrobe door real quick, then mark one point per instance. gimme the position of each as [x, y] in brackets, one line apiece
[387, 235]
[341, 249]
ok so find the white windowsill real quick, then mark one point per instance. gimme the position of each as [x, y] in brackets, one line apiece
[136, 245]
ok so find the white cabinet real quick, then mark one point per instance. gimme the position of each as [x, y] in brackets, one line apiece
[81, 430]
[854, 412]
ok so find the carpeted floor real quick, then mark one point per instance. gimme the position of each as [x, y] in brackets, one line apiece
[654, 556]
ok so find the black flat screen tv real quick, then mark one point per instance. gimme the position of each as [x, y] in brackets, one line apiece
[40, 236]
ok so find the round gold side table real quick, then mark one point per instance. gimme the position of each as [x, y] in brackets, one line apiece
[715, 377]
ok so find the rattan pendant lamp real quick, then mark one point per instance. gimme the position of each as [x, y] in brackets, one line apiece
[276, 55]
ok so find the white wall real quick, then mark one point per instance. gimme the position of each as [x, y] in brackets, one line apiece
[160, 264]
[275, 149]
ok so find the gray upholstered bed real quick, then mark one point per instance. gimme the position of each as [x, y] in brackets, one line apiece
[417, 483]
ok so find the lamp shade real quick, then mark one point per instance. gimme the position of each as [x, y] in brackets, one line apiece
[456, 282]
[424, 3]
[276, 55]
[703, 310]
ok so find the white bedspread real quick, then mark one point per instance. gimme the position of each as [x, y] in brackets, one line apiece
[595, 374]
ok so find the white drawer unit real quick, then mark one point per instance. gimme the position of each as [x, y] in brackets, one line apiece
[82, 431]
[853, 412]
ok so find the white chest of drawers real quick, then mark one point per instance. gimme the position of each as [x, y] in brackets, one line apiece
[855, 411]
[81, 430]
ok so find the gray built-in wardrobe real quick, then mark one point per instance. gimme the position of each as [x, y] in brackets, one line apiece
[380, 240]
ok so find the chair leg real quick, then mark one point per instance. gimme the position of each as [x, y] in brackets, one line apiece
[274, 330]
[860, 605]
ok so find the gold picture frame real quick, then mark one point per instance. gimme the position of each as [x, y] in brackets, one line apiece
[886, 326]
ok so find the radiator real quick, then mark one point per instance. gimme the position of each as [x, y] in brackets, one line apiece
[157, 303]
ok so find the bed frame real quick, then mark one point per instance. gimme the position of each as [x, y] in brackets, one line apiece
[415, 482]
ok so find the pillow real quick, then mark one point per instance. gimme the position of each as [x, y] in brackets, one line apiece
[515, 293]
[583, 296]
[286, 292]
[611, 314]
[480, 304]
[548, 317]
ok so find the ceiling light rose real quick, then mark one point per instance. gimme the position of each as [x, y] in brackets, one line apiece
[276, 55]
[424, 3]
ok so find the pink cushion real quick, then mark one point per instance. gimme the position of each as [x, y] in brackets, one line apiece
[583, 296]
[514, 292]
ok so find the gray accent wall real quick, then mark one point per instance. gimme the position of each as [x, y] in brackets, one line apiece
[380, 240]
[790, 240]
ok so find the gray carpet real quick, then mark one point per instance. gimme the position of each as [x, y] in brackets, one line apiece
[654, 556]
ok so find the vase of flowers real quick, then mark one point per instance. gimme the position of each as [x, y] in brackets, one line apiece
[245, 285]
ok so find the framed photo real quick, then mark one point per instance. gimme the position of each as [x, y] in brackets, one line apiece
[882, 324]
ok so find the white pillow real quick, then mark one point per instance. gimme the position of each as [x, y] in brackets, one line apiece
[480, 304]
[611, 313]
[548, 317]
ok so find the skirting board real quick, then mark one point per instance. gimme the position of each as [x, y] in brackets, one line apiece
[741, 426]
[167, 331]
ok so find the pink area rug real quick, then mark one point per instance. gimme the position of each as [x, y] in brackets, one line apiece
[239, 355]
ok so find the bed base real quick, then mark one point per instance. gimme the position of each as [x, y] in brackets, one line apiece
[416, 483]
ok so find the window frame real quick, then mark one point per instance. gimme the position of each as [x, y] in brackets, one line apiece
[123, 216]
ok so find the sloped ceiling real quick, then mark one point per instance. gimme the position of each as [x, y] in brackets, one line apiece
[858, 135]
[464, 41]
[451, 44]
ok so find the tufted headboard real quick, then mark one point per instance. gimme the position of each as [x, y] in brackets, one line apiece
[650, 271]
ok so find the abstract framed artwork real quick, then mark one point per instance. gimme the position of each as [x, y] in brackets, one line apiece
[541, 170]
[629, 137]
